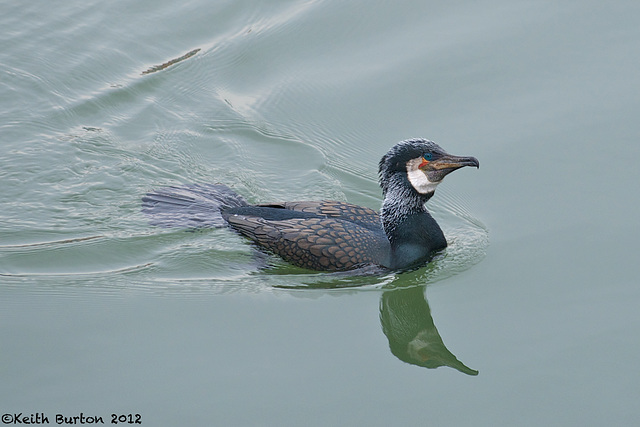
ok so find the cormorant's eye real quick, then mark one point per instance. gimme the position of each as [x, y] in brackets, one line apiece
[427, 156]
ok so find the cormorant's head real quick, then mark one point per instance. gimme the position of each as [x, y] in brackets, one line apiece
[422, 163]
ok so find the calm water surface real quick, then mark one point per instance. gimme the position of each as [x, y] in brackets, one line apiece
[529, 317]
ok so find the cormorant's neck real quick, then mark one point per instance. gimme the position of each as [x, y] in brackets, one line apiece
[400, 203]
[413, 234]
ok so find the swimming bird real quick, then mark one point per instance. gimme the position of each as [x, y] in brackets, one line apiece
[330, 235]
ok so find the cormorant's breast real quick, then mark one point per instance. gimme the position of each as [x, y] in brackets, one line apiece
[415, 241]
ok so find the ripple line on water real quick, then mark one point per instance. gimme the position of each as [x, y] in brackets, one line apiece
[174, 61]
[50, 243]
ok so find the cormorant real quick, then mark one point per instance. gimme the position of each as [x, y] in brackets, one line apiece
[330, 235]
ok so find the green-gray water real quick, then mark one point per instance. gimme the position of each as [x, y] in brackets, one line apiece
[532, 310]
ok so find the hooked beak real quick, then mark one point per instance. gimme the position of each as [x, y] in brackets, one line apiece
[444, 165]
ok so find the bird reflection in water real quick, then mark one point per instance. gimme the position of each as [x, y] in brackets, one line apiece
[413, 337]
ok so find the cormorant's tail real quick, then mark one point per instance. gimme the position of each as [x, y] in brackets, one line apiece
[190, 206]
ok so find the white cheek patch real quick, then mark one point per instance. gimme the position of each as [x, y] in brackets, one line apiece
[418, 179]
